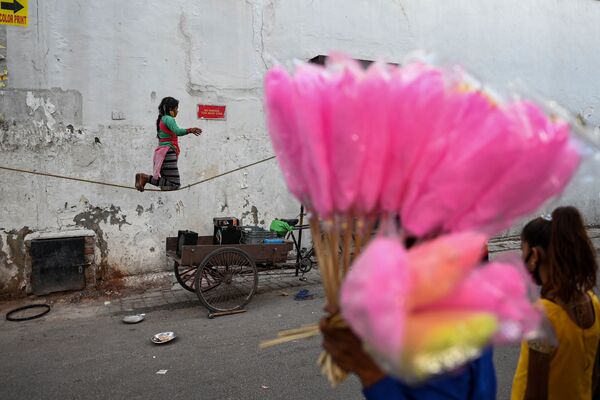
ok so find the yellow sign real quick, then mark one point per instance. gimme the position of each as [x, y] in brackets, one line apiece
[14, 12]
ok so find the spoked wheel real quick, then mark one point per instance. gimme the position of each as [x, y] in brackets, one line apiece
[308, 261]
[226, 280]
[186, 276]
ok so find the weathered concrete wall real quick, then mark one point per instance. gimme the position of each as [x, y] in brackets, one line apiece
[3, 69]
[79, 63]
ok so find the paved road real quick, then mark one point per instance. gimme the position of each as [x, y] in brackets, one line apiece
[75, 352]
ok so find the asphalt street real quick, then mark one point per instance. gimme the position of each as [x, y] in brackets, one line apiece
[75, 352]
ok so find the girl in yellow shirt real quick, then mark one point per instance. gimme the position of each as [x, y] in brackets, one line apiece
[561, 259]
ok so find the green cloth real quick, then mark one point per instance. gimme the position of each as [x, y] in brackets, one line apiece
[172, 125]
[280, 227]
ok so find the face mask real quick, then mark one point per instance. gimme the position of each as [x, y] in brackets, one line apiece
[535, 274]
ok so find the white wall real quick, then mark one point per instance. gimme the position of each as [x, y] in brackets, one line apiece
[124, 57]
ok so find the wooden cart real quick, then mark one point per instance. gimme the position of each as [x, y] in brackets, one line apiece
[224, 277]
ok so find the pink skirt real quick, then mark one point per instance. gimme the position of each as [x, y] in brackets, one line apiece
[159, 156]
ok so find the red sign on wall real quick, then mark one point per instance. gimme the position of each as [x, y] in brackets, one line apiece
[206, 111]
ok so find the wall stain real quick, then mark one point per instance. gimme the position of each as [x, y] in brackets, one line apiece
[8, 286]
[15, 241]
[92, 218]
[253, 212]
[179, 207]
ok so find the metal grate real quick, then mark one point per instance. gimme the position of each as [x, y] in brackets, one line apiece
[57, 265]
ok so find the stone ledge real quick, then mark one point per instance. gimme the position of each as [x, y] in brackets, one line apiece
[60, 234]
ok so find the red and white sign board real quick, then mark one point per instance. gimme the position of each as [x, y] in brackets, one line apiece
[208, 111]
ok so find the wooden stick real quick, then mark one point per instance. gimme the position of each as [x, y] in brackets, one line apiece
[317, 240]
[348, 228]
[335, 255]
[328, 268]
[369, 230]
[331, 270]
[360, 224]
[335, 375]
[289, 332]
[280, 340]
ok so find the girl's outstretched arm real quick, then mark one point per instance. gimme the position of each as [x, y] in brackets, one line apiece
[172, 125]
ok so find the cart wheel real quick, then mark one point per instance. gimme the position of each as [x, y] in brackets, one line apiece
[308, 261]
[186, 276]
[226, 280]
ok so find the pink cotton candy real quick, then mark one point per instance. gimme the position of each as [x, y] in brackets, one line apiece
[501, 289]
[471, 152]
[283, 129]
[374, 294]
[373, 119]
[416, 141]
[416, 98]
[438, 266]
[349, 150]
[313, 118]
[546, 162]
[480, 170]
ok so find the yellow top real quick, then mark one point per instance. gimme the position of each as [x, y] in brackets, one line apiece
[572, 363]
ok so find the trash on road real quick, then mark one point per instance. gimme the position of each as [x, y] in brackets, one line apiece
[24, 314]
[163, 337]
[133, 319]
[161, 372]
[264, 387]
[212, 315]
[304, 294]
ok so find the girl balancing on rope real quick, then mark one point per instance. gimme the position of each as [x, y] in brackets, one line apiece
[165, 173]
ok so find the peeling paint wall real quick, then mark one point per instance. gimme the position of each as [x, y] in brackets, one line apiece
[13, 255]
[82, 100]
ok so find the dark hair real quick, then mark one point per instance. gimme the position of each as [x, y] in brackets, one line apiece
[164, 108]
[571, 257]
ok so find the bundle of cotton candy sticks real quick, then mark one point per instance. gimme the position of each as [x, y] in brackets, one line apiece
[424, 147]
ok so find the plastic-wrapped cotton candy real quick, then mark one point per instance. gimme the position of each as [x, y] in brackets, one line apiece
[438, 266]
[283, 129]
[310, 89]
[374, 120]
[375, 293]
[430, 309]
[440, 341]
[481, 176]
[547, 160]
[423, 143]
[417, 98]
[499, 288]
[348, 137]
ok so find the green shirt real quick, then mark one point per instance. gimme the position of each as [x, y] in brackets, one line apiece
[172, 125]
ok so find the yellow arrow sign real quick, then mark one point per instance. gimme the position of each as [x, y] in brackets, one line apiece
[14, 12]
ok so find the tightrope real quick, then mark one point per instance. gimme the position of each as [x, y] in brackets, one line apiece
[70, 178]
